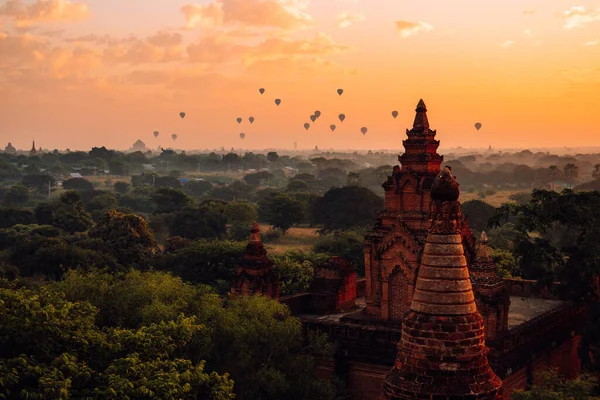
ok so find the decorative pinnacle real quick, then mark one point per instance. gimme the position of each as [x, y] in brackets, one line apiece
[421, 123]
[255, 233]
[445, 186]
[483, 251]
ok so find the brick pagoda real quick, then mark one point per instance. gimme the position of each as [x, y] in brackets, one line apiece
[255, 274]
[393, 248]
[442, 352]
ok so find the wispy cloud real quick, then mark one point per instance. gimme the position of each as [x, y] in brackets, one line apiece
[345, 19]
[529, 12]
[579, 16]
[527, 32]
[43, 11]
[409, 28]
[507, 44]
[592, 43]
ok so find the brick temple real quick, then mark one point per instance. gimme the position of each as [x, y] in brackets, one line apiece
[526, 331]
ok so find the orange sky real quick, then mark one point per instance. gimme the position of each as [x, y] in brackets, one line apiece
[107, 72]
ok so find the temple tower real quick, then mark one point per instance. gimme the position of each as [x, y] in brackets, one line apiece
[442, 352]
[33, 150]
[255, 274]
[393, 248]
[491, 296]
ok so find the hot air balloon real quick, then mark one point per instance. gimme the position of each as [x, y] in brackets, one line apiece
[363, 130]
[306, 126]
[239, 120]
[174, 136]
[340, 91]
[251, 119]
[261, 90]
[332, 127]
[313, 118]
[317, 113]
[342, 117]
[277, 101]
[478, 125]
[156, 133]
[182, 114]
[394, 114]
[242, 135]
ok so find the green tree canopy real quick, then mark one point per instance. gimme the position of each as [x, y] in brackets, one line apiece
[346, 208]
[280, 210]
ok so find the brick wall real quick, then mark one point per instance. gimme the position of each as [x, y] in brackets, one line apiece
[398, 287]
[361, 287]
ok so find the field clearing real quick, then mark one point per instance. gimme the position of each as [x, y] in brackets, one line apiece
[301, 239]
[496, 200]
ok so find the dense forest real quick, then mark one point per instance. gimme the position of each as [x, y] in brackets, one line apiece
[115, 267]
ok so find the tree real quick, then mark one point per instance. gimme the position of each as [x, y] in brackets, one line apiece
[280, 210]
[39, 182]
[294, 276]
[121, 187]
[347, 244]
[203, 261]
[196, 188]
[297, 186]
[117, 167]
[15, 216]
[554, 173]
[553, 386]
[60, 353]
[79, 184]
[479, 213]
[70, 215]
[170, 200]
[17, 195]
[127, 237]
[571, 172]
[167, 182]
[272, 157]
[256, 178]
[347, 207]
[197, 223]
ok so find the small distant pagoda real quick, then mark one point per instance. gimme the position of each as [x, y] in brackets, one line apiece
[33, 151]
[442, 353]
[10, 149]
[255, 274]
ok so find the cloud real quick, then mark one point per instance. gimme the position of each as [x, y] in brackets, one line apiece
[408, 28]
[578, 16]
[528, 12]
[507, 44]
[527, 32]
[592, 43]
[283, 14]
[44, 11]
[345, 19]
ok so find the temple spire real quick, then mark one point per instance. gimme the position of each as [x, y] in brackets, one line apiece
[255, 233]
[421, 123]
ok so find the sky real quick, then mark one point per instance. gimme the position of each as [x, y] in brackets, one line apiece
[77, 74]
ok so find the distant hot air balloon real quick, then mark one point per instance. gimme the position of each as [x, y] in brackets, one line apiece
[182, 114]
[251, 119]
[174, 136]
[363, 130]
[306, 126]
[239, 120]
[332, 127]
[242, 135]
[340, 91]
[313, 118]
[261, 90]
[342, 117]
[394, 114]
[317, 113]
[156, 133]
[277, 101]
[478, 125]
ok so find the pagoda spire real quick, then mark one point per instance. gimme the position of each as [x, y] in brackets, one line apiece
[420, 153]
[421, 123]
[255, 234]
[442, 352]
